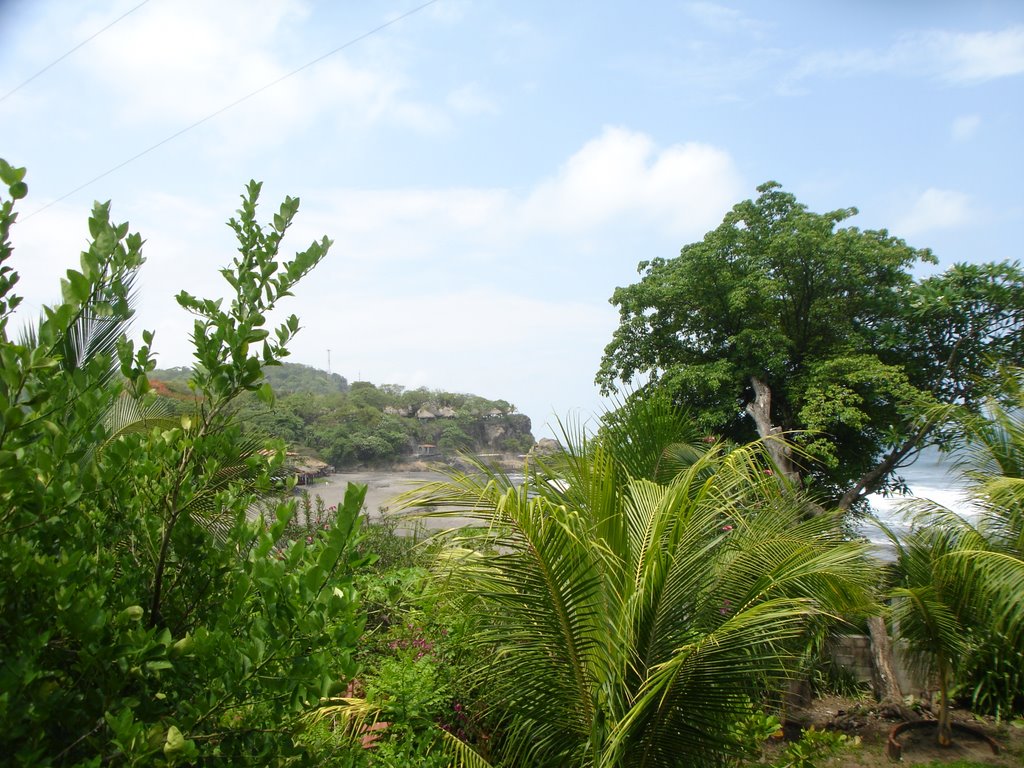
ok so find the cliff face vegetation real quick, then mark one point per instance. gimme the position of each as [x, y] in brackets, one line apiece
[361, 423]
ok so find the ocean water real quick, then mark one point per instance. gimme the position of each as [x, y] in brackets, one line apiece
[934, 477]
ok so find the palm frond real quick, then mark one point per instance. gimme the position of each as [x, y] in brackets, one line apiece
[599, 591]
[650, 438]
[352, 716]
[995, 580]
[681, 706]
[126, 416]
[462, 755]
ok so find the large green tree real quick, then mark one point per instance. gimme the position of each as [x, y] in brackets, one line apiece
[782, 321]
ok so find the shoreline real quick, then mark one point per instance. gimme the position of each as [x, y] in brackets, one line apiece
[383, 486]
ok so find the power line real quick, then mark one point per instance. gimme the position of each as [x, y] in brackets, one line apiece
[235, 103]
[59, 59]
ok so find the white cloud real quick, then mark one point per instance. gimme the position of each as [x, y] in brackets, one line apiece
[445, 325]
[965, 126]
[451, 11]
[370, 211]
[177, 63]
[619, 179]
[186, 59]
[841, 63]
[976, 57]
[493, 341]
[954, 57]
[934, 209]
[45, 246]
[682, 188]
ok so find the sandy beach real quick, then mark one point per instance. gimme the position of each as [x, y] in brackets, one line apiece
[382, 488]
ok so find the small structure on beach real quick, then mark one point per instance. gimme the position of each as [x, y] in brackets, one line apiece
[306, 469]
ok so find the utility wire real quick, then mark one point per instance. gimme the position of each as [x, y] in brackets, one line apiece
[235, 103]
[59, 59]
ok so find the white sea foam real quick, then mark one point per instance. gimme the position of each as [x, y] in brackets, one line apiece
[932, 477]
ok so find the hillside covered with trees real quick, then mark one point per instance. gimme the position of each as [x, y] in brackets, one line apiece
[362, 423]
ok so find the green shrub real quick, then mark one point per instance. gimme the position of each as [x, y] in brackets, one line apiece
[146, 617]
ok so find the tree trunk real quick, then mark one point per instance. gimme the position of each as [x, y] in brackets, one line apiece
[883, 670]
[945, 728]
[760, 410]
[886, 684]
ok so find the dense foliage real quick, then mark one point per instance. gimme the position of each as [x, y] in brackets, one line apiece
[634, 600]
[960, 581]
[782, 321]
[630, 619]
[147, 615]
[365, 424]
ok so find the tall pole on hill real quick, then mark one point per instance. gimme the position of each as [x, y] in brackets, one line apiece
[328, 361]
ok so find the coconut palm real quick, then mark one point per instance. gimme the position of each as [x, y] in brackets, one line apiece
[962, 580]
[929, 611]
[631, 621]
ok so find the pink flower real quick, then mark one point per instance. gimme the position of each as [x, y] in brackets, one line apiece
[726, 527]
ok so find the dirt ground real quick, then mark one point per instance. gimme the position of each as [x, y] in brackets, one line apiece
[860, 718]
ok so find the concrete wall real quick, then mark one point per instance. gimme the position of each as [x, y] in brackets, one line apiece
[853, 653]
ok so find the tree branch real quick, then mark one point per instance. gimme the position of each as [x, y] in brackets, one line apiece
[760, 410]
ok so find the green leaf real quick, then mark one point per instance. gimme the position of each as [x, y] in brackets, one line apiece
[265, 393]
[175, 741]
[9, 174]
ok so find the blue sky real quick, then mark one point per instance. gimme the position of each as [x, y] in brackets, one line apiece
[490, 171]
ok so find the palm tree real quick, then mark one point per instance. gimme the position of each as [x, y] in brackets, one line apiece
[962, 581]
[632, 611]
[929, 611]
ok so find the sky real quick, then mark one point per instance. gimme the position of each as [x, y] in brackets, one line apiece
[490, 171]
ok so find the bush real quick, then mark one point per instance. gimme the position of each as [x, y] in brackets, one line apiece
[146, 617]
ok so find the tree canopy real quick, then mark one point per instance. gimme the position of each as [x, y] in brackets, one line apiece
[782, 320]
